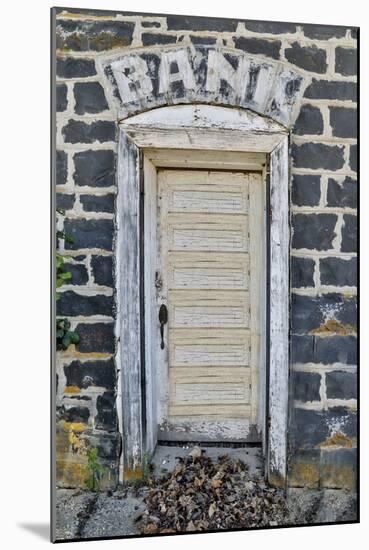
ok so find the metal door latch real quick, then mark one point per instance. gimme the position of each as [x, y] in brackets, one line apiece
[163, 319]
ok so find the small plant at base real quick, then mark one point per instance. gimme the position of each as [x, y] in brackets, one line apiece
[64, 336]
[146, 467]
[94, 470]
[144, 478]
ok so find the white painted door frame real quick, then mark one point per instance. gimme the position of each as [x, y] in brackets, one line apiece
[174, 135]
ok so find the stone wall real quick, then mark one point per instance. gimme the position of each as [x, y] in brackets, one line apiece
[323, 219]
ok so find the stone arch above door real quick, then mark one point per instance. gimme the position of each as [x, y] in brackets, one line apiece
[143, 79]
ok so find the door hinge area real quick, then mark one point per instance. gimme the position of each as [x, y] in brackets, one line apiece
[142, 185]
[141, 160]
[270, 214]
[141, 174]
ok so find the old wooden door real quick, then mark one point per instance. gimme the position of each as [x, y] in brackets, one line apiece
[210, 243]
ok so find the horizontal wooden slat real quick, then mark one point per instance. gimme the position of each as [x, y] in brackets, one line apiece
[204, 139]
[216, 411]
[209, 308]
[202, 347]
[230, 374]
[193, 159]
[211, 271]
[210, 192]
[207, 232]
[217, 335]
[210, 386]
[207, 428]
[202, 393]
[203, 200]
[210, 354]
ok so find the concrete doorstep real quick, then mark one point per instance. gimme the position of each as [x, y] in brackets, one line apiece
[83, 514]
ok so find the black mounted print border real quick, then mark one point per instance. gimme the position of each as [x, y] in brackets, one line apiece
[205, 209]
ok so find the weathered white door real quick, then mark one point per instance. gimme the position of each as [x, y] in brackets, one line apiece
[210, 246]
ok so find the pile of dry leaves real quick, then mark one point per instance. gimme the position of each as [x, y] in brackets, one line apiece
[202, 495]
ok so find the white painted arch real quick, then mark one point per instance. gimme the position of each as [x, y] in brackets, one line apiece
[179, 135]
[141, 79]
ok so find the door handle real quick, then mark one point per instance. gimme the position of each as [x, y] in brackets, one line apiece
[163, 319]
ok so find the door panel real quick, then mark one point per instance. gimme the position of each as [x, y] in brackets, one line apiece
[207, 232]
[209, 366]
[208, 389]
[208, 195]
[208, 308]
[194, 270]
[201, 347]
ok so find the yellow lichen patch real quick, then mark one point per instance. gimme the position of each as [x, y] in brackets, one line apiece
[84, 16]
[338, 439]
[70, 473]
[304, 475]
[338, 477]
[62, 442]
[335, 327]
[75, 442]
[71, 352]
[131, 475]
[67, 352]
[72, 389]
[349, 295]
[276, 480]
[103, 41]
[74, 426]
[93, 355]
